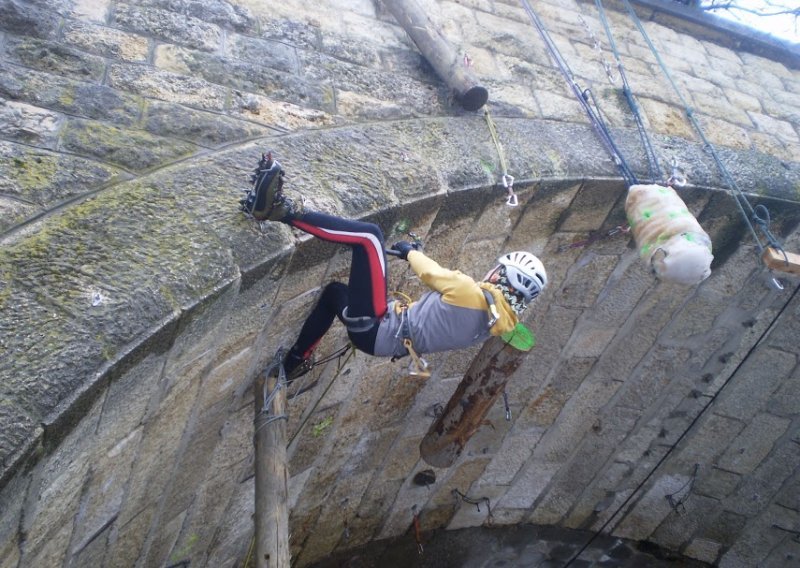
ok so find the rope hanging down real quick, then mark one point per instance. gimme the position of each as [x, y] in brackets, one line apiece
[748, 212]
[652, 160]
[508, 180]
[583, 97]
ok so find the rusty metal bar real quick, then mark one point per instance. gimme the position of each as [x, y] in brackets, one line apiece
[430, 40]
[466, 410]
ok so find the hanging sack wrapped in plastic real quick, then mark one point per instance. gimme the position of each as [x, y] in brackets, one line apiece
[667, 235]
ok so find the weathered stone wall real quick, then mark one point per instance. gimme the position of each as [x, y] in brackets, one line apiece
[137, 304]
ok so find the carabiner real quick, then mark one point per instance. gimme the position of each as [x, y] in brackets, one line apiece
[508, 183]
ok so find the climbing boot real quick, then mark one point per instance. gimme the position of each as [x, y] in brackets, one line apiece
[266, 200]
[295, 365]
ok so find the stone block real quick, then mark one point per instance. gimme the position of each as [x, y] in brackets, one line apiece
[171, 87]
[642, 520]
[529, 483]
[759, 537]
[511, 456]
[52, 551]
[130, 149]
[753, 444]
[91, 10]
[9, 554]
[654, 378]
[205, 129]
[575, 420]
[714, 434]
[667, 119]
[690, 512]
[158, 451]
[558, 106]
[585, 280]
[561, 386]
[56, 58]
[232, 540]
[127, 400]
[28, 124]
[105, 41]
[482, 514]
[703, 549]
[781, 129]
[197, 532]
[765, 484]
[760, 375]
[104, 491]
[194, 466]
[168, 26]
[725, 128]
[599, 500]
[787, 553]
[94, 553]
[724, 527]
[715, 482]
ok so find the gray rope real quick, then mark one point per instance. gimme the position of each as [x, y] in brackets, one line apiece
[582, 96]
[276, 364]
[652, 160]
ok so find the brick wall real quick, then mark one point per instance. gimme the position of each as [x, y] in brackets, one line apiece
[137, 304]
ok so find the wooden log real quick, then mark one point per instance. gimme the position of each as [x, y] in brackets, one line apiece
[431, 42]
[476, 393]
[775, 260]
[271, 477]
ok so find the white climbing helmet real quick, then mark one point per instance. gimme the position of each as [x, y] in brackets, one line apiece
[525, 272]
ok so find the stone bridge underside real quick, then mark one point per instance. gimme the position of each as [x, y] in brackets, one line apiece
[138, 305]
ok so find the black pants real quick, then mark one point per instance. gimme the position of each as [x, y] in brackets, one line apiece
[365, 293]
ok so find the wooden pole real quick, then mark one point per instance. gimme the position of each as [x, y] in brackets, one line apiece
[476, 393]
[271, 506]
[440, 54]
[776, 260]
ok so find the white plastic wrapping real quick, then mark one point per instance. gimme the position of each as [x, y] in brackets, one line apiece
[667, 235]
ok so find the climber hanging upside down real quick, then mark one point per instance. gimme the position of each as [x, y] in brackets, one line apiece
[457, 313]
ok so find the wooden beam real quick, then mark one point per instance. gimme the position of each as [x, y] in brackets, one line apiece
[775, 260]
[474, 397]
[271, 479]
[430, 40]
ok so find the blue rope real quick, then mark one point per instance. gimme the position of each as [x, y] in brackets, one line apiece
[652, 160]
[583, 97]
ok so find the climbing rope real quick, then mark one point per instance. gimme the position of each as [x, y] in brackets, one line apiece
[507, 179]
[275, 365]
[636, 491]
[748, 212]
[339, 367]
[652, 160]
[583, 96]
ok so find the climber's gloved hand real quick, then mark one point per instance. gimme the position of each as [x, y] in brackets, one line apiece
[404, 247]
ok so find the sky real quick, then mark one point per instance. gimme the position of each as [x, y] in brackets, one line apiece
[786, 27]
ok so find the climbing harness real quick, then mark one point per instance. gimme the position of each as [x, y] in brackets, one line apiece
[418, 367]
[583, 96]
[507, 179]
[745, 208]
